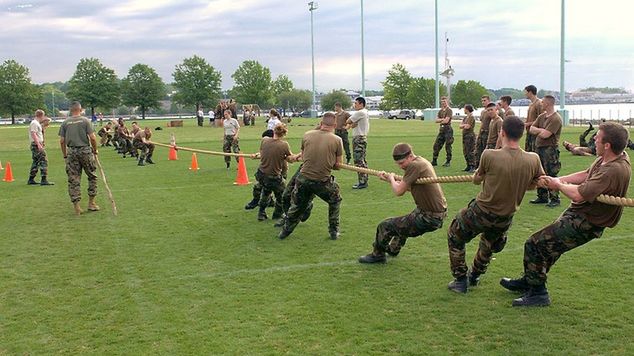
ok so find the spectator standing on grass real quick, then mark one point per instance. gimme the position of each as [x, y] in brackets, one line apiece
[505, 175]
[585, 218]
[342, 117]
[231, 140]
[79, 148]
[200, 116]
[38, 151]
[468, 138]
[431, 206]
[359, 121]
[534, 109]
[445, 133]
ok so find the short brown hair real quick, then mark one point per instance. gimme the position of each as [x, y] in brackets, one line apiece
[616, 135]
[507, 99]
[513, 127]
[328, 119]
[280, 130]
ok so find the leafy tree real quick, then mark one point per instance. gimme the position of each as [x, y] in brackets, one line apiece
[296, 100]
[421, 93]
[252, 84]
[94, 85]
[328, 101]
[143, 88]
[467, 92]
[396, 87]
[197, 83]
[17, 94]
[281, 84]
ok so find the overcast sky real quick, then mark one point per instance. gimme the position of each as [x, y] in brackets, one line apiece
[500, 43]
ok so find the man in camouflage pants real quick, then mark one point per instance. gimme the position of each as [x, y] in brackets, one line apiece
[79, 147]
[431, 206]
[38, 153]
[585, 218]
[342, 117]
[321, 152]
[445, 133]
[547, 129]
[483, 134]
[468, 138]
[534, 109]
[505, 175]
[142, 143]
[359, 121]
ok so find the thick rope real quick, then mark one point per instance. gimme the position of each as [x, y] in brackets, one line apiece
[215, 153]
[105, 182]
[606, 199]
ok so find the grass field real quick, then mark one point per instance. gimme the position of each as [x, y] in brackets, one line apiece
[184, 269]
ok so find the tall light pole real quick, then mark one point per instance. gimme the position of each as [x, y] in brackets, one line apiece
[53, 97]
[562, 61]
[437, 87]
[362, 55]
[312, 6]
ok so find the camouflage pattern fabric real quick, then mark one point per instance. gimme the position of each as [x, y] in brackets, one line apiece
[470, 222]
[549, 156]
[544, 247]
[230, 145]
[303, 193]
[359, 146]
[270, 184]
[468, 148]
[39, 162]
[445, 137]
[146, 149]
[346, 143]
[529, 145]
[392, 233]
[78, 158]
[481, 145]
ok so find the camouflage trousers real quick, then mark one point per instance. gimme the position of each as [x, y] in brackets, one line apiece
[125, 145]
[468, 148]
[270, 184]
[444, 138]
[257, 187]
[146, 149]
[346, 143]
[549, 156]
[544, 247]
[529, 145]
[105, 139]
[481, 145]
[78, 159]
[392, 233]
[303, 193]
[40, 162]
[228, 145]
[470, 222]
[359, 147]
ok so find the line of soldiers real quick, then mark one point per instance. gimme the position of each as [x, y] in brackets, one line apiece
[128, 142]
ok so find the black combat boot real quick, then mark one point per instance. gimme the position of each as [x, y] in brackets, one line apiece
[434, 162]
[373, 258]
[141, 162]
[537, 296]
[45, 181]
[447, 164]
[32, 181]
[149, 159]
[252, 204]
[474, 278]
[458, 285]
[515, 285]
[262, 215]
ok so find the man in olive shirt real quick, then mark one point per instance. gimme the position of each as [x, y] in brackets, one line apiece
[505, 103]
[79, 147]
[468, 138]
[505, 174]
[431, 206]
[274, 153]
[483, 134]
[547, 129]
[322, 150]
[530, 91]
[445, 133]
[142, 142]
[359, 121]
[495, 125]
[585, 218]
[342, 117]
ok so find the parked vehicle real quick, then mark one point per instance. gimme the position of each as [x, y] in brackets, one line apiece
[404, 115]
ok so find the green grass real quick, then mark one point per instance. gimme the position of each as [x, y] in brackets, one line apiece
[184, 269]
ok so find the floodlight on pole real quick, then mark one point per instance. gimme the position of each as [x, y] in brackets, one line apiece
[312, 6]
[362, 55]
[437, 86]
[448, 72]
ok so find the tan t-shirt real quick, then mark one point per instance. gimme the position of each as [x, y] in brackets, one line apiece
[341, 117]
[611, 178]
[445, 113]
[551, 123]
[468, 120]
[140, 135]
[485, 119]
[494, 131]
[534, 109]
[320, 150]
[273, 155]
[428, 197]
[506, 175]
[509, 112]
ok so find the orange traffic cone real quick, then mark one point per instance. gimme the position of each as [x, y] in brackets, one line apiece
[8, 174]
[194, 166]
[242, 178]
[172, 155]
